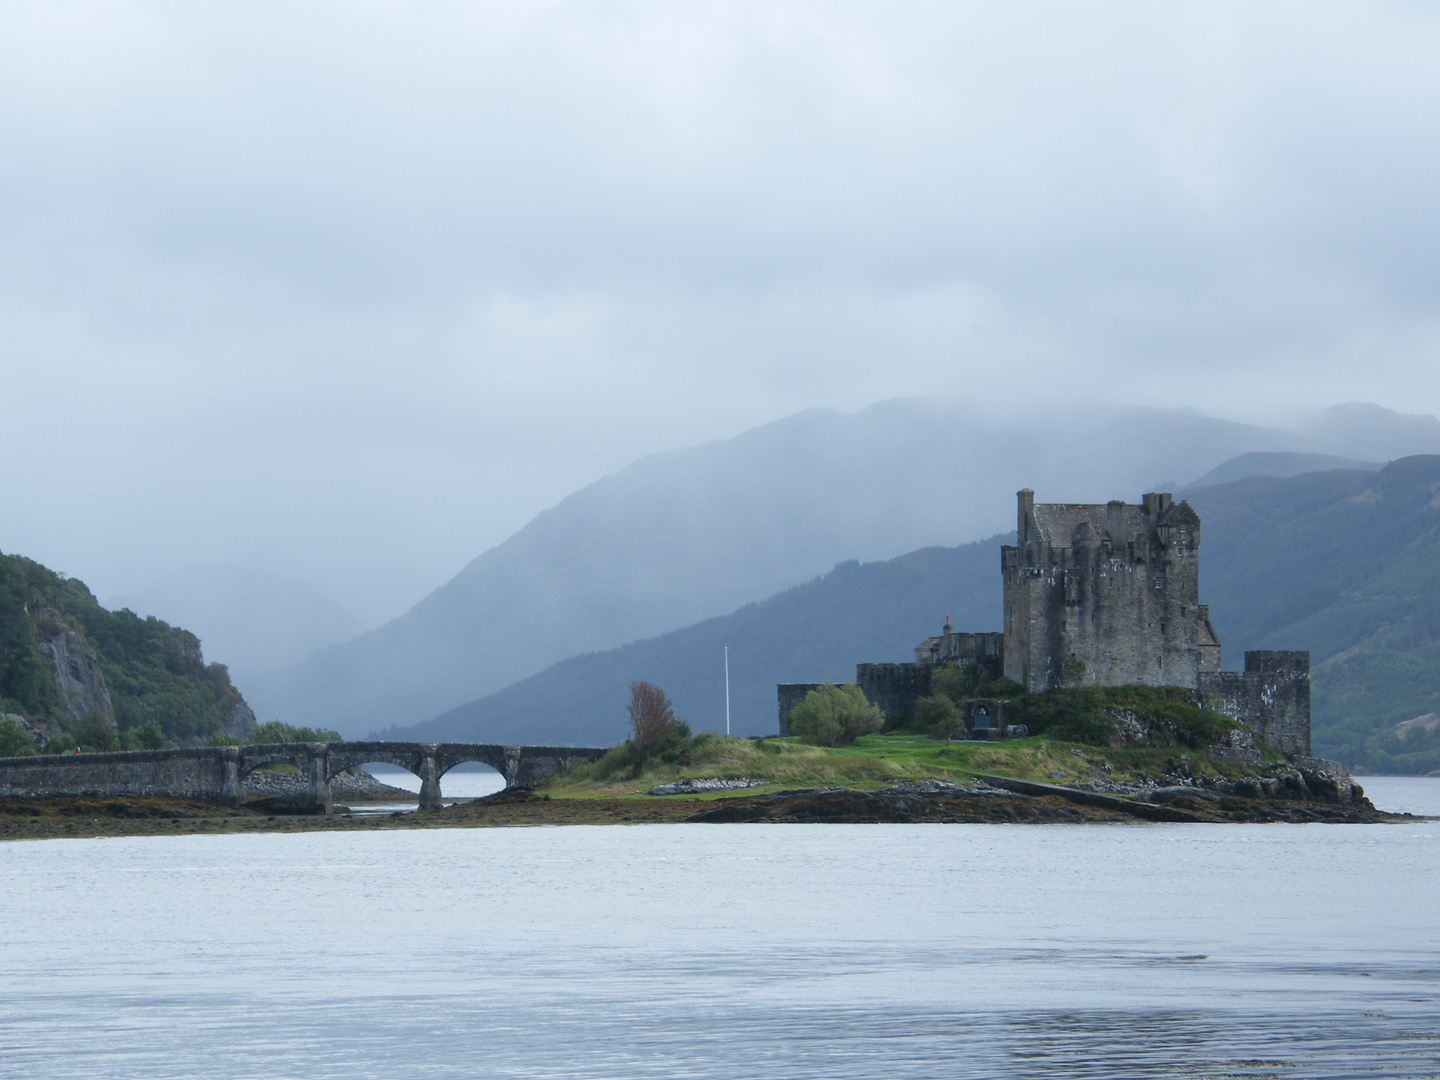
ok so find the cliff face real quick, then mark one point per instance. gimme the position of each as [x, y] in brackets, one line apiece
[241, 721]
[100, 679]
[78, 679]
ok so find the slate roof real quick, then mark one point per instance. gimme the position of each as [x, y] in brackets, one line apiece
[1057, 522]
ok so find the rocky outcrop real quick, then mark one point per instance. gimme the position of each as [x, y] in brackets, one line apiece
[241, 722]
[697, 787]
[77, 673]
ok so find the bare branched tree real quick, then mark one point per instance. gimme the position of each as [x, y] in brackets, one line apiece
[652, 717]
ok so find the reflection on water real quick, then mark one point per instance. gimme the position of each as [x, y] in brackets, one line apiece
[719, 951]
[461, 782]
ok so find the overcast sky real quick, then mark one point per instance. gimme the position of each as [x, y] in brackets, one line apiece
[356, 289]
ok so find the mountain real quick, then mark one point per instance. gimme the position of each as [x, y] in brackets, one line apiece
[1345, 563]
[254, 619]
[816, 631]
[79, 674]
[688, 535]
[1261, 463]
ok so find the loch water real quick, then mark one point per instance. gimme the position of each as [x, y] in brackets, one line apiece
[894, 951]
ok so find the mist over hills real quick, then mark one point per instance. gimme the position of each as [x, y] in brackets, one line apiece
[254, 620]
[812, 632]
[1261, 463]
[1345, 563]
[688, 535]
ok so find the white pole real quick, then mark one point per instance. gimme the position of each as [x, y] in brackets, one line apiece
[727, 691]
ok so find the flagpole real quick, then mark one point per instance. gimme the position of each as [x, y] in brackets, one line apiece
[727, 691]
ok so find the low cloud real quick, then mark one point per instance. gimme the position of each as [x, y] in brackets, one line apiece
[356, 290]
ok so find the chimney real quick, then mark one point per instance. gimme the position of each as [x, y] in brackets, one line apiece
[1026, 498]
[1115, 524]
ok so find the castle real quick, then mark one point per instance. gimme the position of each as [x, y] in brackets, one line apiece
[1103, 596]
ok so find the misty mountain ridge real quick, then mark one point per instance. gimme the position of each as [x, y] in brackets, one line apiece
[1262, 463]
[691, 534]
[1345, 563]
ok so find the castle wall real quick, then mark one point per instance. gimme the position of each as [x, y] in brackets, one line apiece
[1271, 697]
[985, 650]
[895, 688]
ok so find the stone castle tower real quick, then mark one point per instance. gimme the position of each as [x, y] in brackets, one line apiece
[1103, 596]
[1115, 588]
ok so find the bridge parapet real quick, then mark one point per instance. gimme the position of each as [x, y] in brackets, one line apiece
[218, 772]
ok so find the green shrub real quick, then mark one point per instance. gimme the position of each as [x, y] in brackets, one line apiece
[1091, 716]
[834, 715]
[276, 731]
[15, 739]
[91, 734]
[938, 715]
[965, 682]
[957, 682]
[677, 746]
[1070, 715]
[148, 736]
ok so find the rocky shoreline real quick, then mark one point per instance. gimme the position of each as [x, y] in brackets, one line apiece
[987, 799]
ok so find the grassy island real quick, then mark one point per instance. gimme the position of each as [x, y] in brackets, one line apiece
[876, 761]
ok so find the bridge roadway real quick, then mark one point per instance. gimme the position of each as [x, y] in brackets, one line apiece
[218, 772]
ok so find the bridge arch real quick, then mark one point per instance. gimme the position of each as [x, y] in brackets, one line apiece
[308, 758]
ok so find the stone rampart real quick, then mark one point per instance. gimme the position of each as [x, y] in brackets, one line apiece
[895, 688]
[1271, 697]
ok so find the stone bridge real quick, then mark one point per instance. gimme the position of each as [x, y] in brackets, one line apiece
[218, 772]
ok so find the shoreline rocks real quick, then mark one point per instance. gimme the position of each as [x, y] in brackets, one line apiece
[698, 787]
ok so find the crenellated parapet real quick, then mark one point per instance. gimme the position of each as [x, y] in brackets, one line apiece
[1271, 697]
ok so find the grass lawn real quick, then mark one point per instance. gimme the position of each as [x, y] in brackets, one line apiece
[875, 761]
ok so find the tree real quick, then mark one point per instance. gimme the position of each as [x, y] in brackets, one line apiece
[652, 716]
[939, 716]
[1072, 672]
[148, 736]
[277, 731]
[957, 681]
[835, 715]
[15, 739]
[91, 734]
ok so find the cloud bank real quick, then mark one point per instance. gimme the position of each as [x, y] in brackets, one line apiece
[353, 290]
